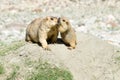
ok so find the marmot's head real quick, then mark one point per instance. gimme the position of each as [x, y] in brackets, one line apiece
[50, 21]
[63, 24]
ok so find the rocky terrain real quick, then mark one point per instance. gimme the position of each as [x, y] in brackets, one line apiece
[97, 25]
[99, 18]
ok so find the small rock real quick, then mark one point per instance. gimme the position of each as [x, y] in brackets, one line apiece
[82, 29]
[37, 10]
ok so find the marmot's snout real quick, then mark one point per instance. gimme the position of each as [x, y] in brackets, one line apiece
[58, 22]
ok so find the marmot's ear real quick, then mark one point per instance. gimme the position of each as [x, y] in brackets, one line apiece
[47, 18]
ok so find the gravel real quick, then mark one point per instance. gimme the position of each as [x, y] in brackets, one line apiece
[85, 16]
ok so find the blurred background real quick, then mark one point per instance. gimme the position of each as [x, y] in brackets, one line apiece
[100, 18]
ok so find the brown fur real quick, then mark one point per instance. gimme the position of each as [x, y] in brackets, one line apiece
[42, 30]
[67, 32]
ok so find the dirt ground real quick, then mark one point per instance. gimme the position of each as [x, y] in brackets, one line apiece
[93, 59]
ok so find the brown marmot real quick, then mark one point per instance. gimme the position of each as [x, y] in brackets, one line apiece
[67, 32]
[42, 30]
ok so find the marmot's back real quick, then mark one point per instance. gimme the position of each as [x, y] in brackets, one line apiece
[32, 29]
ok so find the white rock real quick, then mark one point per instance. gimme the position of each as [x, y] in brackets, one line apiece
[90, 20]
[15, 60]
[82, 29]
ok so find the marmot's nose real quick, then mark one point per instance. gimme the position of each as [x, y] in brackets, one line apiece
[58, 21]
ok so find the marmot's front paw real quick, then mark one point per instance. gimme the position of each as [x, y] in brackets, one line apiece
[47, 48]
[70, 48]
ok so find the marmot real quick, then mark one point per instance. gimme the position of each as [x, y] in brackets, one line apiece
[67, 32]
[42, 30]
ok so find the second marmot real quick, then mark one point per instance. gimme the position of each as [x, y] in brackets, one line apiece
[67, 32]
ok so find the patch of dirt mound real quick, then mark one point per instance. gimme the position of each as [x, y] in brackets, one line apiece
[91, 60]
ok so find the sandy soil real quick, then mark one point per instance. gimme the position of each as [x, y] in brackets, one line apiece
[93, 59]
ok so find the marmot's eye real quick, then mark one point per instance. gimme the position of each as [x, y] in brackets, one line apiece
[51, 18]
[63, 20]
